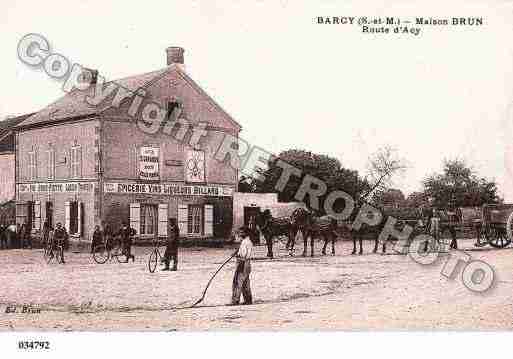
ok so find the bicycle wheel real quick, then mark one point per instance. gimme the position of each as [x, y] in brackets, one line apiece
[153, 260]
[118, 253]
[46, 253]
[100, 254]
[49, 255]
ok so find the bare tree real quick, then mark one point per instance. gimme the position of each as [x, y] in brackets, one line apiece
[383, 166]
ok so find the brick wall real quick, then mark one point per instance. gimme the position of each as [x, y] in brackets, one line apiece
[7, 185]
[61, 138]
[120, 156]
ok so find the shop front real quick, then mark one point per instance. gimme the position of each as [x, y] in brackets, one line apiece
[70, 203]
[200, 211]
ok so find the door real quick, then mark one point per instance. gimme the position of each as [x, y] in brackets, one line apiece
[49, 214]
[250, 221]
[250, 212]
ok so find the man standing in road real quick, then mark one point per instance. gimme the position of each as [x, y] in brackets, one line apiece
[173, 235]
[60, 236]
[126, 241]
[241, 283]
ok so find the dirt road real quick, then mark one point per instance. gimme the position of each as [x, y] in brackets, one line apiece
[346, 292]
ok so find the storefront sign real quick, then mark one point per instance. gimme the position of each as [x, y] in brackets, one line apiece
[168, 190]
[195, 166]
[149, 163]
[63, 187]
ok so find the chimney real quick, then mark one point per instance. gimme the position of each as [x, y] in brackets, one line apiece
[89, 76]
[175, 56]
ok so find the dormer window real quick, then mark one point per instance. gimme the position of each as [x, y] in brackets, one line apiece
[173, 106]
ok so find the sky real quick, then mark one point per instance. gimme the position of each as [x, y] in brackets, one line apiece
[292, 83]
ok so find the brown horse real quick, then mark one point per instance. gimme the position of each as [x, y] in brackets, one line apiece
[311, 227]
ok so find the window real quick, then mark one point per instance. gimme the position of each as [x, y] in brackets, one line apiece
[51, 163]
[195, 220]
[76, 161]
[173, 106]
[32, 164]
[148, 225]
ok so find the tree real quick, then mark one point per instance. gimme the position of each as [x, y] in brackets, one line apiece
[323, 167]
[417, 200]
[459, 186]
[383, 165]
[389, 198]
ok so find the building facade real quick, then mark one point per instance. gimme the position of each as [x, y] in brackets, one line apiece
[86, 164]
[7, 158]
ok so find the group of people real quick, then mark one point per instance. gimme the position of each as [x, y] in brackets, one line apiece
[51, 237]
[15, 236]
[124, 238]
[110, 238]
[435, 223]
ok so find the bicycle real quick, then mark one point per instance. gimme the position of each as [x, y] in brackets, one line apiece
[104, 252]
[155, 256]
[54, 250]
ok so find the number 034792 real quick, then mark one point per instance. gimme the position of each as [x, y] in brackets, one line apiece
[33, 345]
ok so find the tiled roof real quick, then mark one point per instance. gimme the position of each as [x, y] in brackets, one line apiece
[74, 103]
[6, 141]
[8, 124]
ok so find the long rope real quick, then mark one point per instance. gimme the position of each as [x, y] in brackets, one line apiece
[210, 281]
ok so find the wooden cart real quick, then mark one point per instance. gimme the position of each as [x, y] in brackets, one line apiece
[492, 227]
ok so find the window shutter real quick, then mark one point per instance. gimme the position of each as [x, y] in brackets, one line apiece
[37, 215]
[67, 216]
[28, 167]
[80, 229]
[135, 217]
[35, 165]
[80, 162]
[162, 226]
[182, 218]
[209, 220]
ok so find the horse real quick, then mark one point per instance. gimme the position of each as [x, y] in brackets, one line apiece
[311, 226]
[402, 215]
[300, 221]
[271, 227]
[324, 227]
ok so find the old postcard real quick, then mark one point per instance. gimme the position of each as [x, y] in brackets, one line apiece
[261, 165]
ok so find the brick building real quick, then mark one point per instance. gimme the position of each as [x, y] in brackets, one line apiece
[82, 164]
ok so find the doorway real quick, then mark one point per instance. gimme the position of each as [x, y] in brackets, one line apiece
[49, 214]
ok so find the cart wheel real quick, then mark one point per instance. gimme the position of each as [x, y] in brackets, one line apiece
[499, 238]
[100, 254]
[153, 261]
